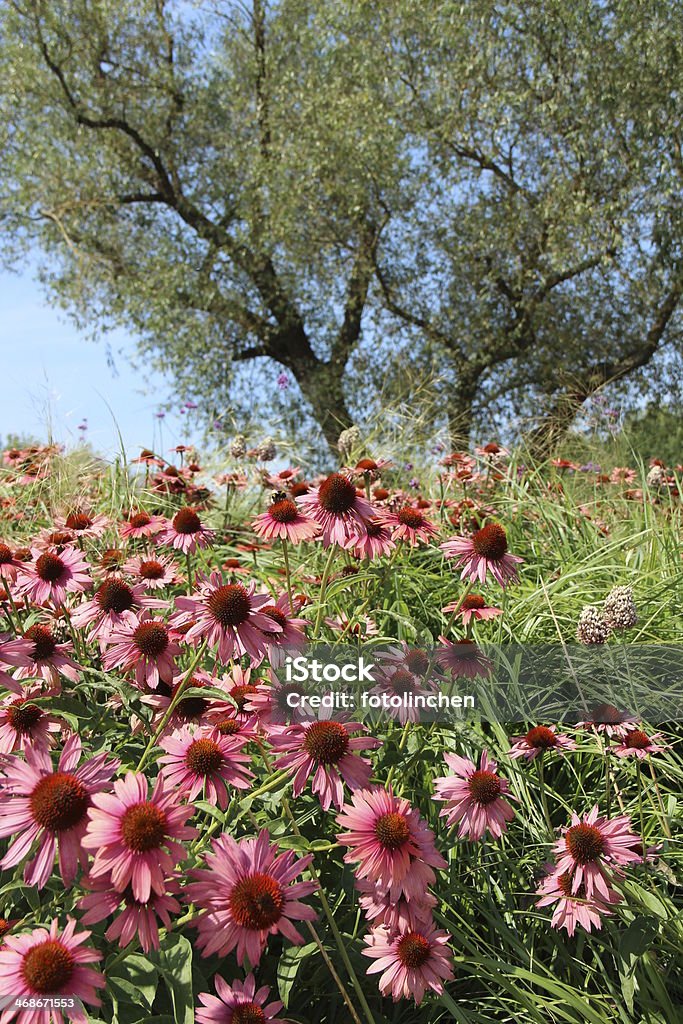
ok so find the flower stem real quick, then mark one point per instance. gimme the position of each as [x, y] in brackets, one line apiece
[288, 572]
[333, 925]
[171, 708]
[544, 795]
[323, 591]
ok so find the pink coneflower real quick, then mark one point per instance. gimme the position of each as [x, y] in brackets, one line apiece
[637, 743]
[49, 537]
[539, 740]
[574, 908]
[474, 797]
[609, 720]
[325, 750]
[137, 918]
[474, 606]
[239, 1003]
[202, 761]
[390, 842]
[42, 964]
[284, 520]
[141, 524]
[14, 652]
[464, 659]
[114, 604]
[410, 961]
[154, 573]
[486, 551]
[591, 846]
[82, 524]
[193, 709]
[52, 575]
[48, 659]
[143, 644]
[291, 638]
[24, 724]
[338, 508]
[394, 914]
[51, 807]
[9, 565]
[137, 837]
[186, 532]
[411, 525]
[229, 616]
[270, 702]
[374, 541]
[371, 469]
[246, 893]
[399, 682]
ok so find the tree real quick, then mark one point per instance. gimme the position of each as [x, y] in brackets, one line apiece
[543, 254]
[496, 185]
[156, 156]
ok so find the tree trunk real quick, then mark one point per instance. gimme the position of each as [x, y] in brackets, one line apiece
[321, 386]
[461, 411]
[554, 425]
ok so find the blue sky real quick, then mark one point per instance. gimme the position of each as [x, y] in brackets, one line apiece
[54, 377]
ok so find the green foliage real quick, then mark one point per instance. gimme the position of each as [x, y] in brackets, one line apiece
[355, 192]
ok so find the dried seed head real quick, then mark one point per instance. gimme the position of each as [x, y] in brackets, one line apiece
[620, 610]
[592, 628]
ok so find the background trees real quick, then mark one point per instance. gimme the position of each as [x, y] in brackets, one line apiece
[352, 190]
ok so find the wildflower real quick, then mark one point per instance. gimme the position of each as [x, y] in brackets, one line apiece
[239, 1003]
[265, 450]
[394, 914]
[373, 541]
[636, 743]
[25, 724]
[486, 551]
[154, 573]
[410, 961]
[395, 681]
[238, 448]
[327, 751]
[284, 520]
[114, 604]
[390, 842]
[411, 525]
[608, 719]
[348, 440]
[51, 807]
[43, 963]
[229, 616]
[474, 797]
[291, 637]
[136, 919]
[82, 524]
[136, 836]
[247, 892]
[464, 659]
[198, 761]
[338, 508]
[538, 740]
[186, 532]
[142, 644]
[574, 908]
[9, 565]
[14, 652]
[53, 573]
[593, 845]
[140, 524]
[473, 606]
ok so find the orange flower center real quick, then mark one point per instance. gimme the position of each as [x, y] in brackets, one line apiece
[413, 950]
[326, 742]
[59, 802]
[337, 494]
[585, 843]
[257, 901]
[143, 827]
[204, 757]
[484, 787]
[47, 967]
[229, 604]
[392, 830]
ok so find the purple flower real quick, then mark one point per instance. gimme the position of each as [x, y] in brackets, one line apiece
[283, 381]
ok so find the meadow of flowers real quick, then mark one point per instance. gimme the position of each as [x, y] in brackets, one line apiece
[174, 847]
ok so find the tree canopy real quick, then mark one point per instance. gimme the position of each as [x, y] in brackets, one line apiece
[343, 189]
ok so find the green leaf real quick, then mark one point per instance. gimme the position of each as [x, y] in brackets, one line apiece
[288, 968]
[134, 978]
[174, 960]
